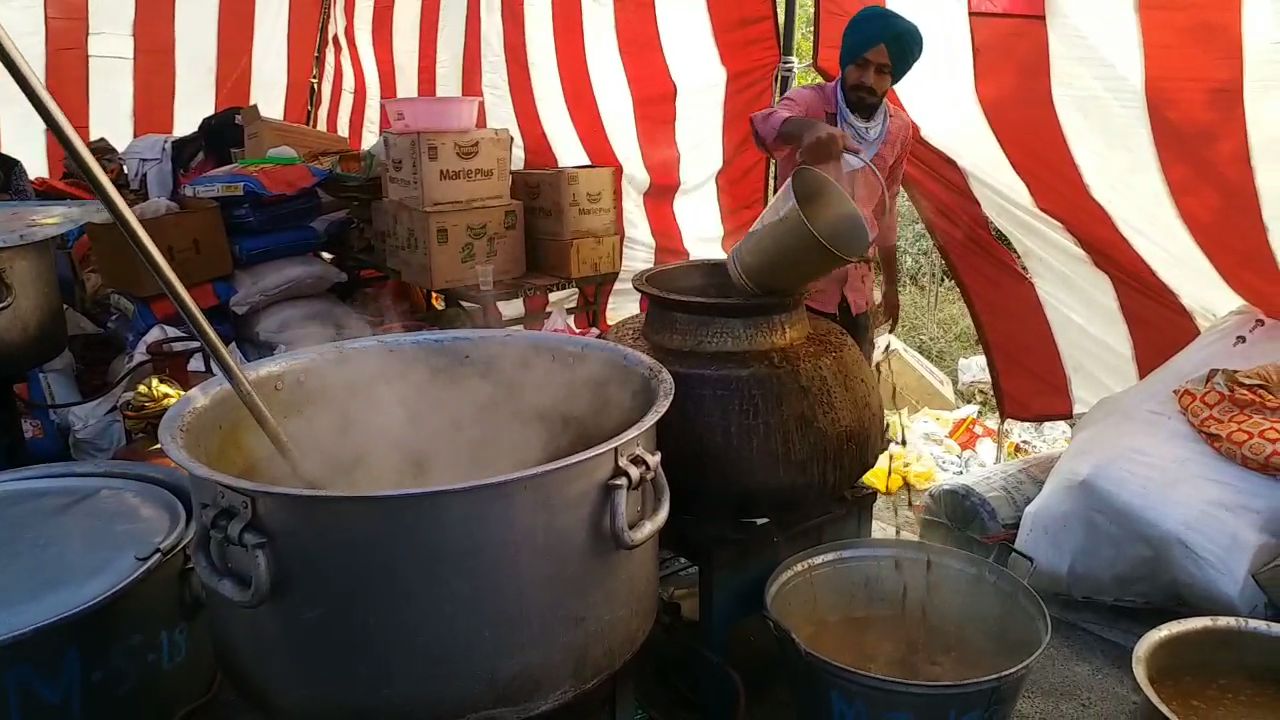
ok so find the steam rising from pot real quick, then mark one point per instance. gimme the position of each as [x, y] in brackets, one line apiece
[400, 417]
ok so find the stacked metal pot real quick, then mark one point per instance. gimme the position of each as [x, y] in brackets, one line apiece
[32, 328]
[478, 566]
[100, 616]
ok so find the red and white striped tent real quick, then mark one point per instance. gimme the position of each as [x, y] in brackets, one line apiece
[1120, 145]
[1127, 148]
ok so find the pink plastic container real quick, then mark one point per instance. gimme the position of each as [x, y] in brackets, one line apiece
[432, 114]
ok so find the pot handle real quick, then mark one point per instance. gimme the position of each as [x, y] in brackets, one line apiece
[638, 467]
[210, 558]
[7, 293]
[783, 634]
[1030, 569]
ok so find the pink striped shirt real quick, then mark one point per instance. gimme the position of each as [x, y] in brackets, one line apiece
[818, 102]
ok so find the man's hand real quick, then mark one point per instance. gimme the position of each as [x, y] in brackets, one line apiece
[816, 142]
[822, 145]
[889, 306]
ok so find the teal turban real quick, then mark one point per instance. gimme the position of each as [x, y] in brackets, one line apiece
[874, 25]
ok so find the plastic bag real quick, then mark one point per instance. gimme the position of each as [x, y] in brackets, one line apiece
[260, 286]
[558, 322]
[989, 504]
[1140, 510]
[154, 208]
[900, 466]
[305, 322]
[972, 371]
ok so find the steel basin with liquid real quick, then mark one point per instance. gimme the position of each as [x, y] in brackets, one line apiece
[900, 628]
[481, 543]
[1201, 646]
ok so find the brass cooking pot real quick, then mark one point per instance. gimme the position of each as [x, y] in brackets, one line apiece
[1219, 642]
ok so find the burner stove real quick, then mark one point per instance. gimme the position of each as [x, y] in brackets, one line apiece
[614, 699]
[733, 562]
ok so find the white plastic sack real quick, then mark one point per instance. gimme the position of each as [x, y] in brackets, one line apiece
[259, 286]
[1140, 510]
[989, 503]
[305, 322]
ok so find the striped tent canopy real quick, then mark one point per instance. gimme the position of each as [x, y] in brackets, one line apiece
[1127, 149]
[1120, 145]
[124, 68]
[662, 89]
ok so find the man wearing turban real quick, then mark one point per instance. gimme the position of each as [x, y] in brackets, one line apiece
[846, 123]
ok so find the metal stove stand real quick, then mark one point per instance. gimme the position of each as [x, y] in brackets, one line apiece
[733, 562]
[613, 699]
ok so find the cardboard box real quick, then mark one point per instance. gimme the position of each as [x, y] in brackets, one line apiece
[567, 203]
[437, 170]
[439, 249]
[577, 258]
[194, 242]
[261, 134]
[909, 381]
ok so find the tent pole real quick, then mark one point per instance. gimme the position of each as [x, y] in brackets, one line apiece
[787, 66]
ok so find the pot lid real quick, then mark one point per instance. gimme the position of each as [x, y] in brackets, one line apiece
[23, 223]
[70, 544]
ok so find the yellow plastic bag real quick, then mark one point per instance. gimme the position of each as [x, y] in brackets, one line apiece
[898, 466]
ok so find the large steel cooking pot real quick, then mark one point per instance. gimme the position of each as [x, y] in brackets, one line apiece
[480, 541]
[99, 617]
[32, 328]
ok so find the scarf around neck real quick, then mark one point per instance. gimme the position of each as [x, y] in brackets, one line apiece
[868, 134]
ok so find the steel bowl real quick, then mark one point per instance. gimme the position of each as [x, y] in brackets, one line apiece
[1219, 642]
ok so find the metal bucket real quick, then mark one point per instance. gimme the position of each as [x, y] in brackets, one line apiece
[33, 330]
[1228, 646]
[99, 615]
[899, 628]
[482, 543]
[809, 229]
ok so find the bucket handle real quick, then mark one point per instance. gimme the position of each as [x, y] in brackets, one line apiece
[1030, 562]
[638, 468]
[7, 293]
[783, 633]
[210, 558]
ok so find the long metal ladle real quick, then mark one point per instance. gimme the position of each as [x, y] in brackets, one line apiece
[67, 136]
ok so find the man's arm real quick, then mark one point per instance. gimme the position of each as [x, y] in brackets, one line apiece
[795, 125]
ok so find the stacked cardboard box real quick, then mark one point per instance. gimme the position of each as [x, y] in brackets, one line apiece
[449, 208]
[572, 217]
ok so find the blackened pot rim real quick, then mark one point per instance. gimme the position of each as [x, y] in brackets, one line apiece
[647, 282]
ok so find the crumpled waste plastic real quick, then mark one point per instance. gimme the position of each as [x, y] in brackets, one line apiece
[931, 446]
[899, 466]
[558, 322]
